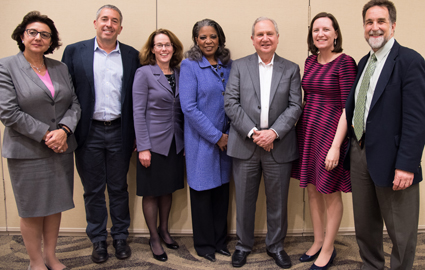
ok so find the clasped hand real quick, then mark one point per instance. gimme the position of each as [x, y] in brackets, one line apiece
[222, 143]
[56, 140]
[264, 138]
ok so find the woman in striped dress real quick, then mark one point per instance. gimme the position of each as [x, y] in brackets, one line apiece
[328, 77]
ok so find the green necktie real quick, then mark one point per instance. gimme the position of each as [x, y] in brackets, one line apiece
[361, 98]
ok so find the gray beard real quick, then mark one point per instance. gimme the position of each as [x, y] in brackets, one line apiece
[377, 43]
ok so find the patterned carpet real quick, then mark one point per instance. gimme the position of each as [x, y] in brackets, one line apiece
[75, 253]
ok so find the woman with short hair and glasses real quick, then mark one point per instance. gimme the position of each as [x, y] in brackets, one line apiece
[158, 122]
[40, 111]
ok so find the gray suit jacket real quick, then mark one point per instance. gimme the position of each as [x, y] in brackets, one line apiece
[243, 106]
[28, 110]
[157, 112]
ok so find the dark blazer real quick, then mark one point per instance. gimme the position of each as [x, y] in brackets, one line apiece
[79, 59]
[243, 106]
[395, 127]
[28, 110]
[157, 113]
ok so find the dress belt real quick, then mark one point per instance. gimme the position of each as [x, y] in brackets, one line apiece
[107, 123]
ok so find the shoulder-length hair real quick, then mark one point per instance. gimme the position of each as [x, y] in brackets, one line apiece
[195, 53]
[31, 17]
[337, 47]
[146, 56]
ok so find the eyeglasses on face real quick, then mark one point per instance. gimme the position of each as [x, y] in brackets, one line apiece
[34, 33]
[159, 45]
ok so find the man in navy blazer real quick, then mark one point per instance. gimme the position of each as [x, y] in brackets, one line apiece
[102, 71]
[387, 137]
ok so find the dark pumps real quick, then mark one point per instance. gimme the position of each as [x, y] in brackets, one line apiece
[173, 245]
[315, 267]
[308, 258]
[162, 257]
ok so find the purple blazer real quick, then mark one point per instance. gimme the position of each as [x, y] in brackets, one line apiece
[157, 113]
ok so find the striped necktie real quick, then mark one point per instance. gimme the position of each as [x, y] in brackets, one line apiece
[361, 98]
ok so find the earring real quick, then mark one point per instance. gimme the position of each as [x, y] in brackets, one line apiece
[22, 42]
[334, 42]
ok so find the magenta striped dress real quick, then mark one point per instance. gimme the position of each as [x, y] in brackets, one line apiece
[326, 88]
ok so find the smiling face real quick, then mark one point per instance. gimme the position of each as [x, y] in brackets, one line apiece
[323, 34]
[265, 39]
[36, 45]
[164, 53]
[207, 41]
[108, 26]
[378, 28]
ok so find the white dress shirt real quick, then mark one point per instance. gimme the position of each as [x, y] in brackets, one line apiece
[107, 72]
[266, 72]
[381, 57]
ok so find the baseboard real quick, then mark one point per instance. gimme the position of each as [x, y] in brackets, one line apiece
[186, 232]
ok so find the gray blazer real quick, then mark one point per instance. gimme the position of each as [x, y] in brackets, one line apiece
[28, 110]
[157, 112]
[243, 106]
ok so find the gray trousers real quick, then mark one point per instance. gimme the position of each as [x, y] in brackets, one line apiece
[247, 177]
[372, 206]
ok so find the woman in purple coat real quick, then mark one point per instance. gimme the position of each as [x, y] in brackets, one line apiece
[158, 123]
[203, 79]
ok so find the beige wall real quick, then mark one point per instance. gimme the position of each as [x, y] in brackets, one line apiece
[74, 21]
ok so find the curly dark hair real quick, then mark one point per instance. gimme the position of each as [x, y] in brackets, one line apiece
[195, 53]
[146, 56]
[31, 17]
[338, 42]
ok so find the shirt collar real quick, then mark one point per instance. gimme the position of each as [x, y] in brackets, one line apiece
[381, 53]
[260, 62]
[96, 46]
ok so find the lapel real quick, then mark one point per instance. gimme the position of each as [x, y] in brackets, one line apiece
[126, 66]
[87, 56]
[177, 75]
[160, 77]
[254, 73]
[55, 76]
[385, 74]
[30, 73]
[351, 96]
[278, 69]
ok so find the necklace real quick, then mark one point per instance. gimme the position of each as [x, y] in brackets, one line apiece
[38, 69]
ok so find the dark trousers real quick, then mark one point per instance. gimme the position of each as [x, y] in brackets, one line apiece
[102, 163]
[372, 206]
[247, 176]
[209, 219]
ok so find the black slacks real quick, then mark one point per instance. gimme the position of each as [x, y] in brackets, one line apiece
[102, 163]
[209, 219]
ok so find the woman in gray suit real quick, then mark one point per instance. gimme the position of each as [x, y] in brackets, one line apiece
[158, 123]
[40, 111]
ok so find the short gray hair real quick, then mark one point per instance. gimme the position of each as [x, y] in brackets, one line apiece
[259, 19]
[110, 7]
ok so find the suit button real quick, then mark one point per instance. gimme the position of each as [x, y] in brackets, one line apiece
[222, 93]
[259, 107]
[53, 103]
[53, 120]
[222, 80]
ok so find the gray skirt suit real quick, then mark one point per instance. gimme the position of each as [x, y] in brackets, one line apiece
[42, 180]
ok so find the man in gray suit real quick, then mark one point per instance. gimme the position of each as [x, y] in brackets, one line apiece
[263, 101]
